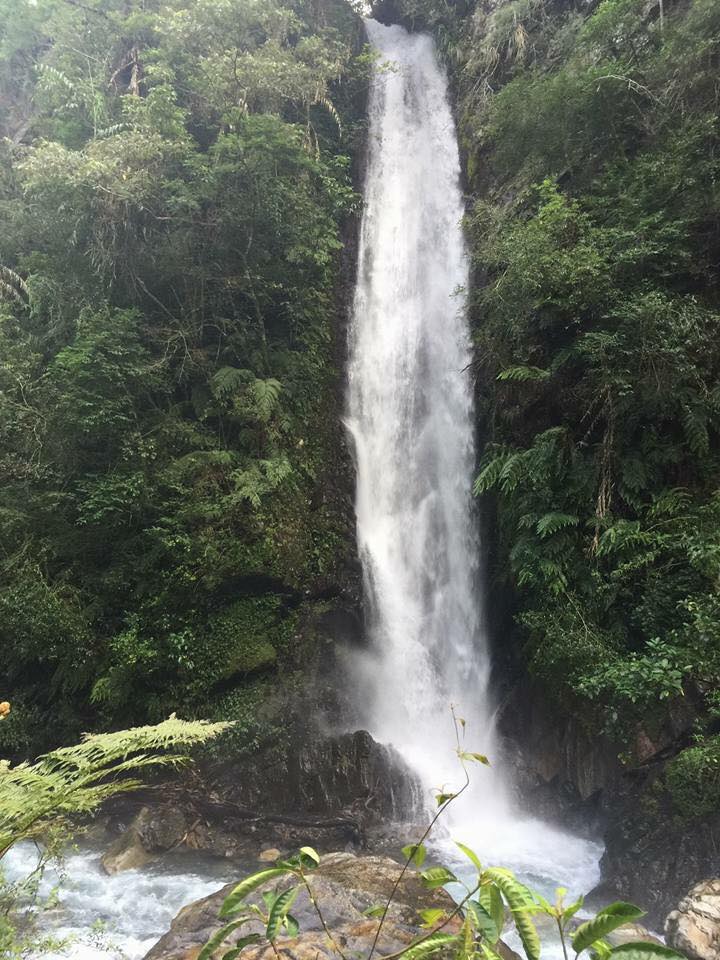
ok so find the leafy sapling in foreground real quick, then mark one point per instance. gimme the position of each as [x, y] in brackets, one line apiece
[492, 901]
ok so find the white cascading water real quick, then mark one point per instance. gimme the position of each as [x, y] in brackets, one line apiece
[410, 416]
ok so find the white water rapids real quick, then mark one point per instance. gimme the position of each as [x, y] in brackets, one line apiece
[410, 416]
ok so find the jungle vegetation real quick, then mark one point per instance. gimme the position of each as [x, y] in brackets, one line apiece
[174, 180]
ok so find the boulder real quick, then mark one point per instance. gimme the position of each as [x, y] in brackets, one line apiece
[344, 886]
[125, 853]
[694, 927]
[152, 831]
[332, 792]
[631, 933]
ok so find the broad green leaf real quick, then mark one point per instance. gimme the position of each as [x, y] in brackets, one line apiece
[434, 942]
[484, 922]
[607, 920]
[547, 907]
[489, 953]
[240, 945]
[521, 903]
[470, 854]
[432, 916]
[570, 911]
[442, 798]
[490, 899]
[644, 951]
[217, 938]
[279, 911]
[437, 877]
[415, 853]
[247, 886]
[292, 926]
[601, 950]
[310, 854]
[466, 944]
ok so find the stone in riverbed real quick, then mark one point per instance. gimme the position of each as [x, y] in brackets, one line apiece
[344, 886]
[125, 853]
[694, 927]
[269, 855]
[152, 831]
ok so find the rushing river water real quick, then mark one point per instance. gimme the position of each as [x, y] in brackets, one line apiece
[411, 416]
[97, 917]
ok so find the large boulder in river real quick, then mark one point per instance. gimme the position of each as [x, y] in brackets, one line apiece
[153, 830]
[694, 927]
[344, 886]
[329, 791]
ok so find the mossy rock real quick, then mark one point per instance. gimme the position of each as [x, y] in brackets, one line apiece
[249, 658]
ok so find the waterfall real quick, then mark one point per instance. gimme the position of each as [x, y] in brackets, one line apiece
[410, 416]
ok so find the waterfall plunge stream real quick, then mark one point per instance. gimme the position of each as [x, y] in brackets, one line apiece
[411, 419]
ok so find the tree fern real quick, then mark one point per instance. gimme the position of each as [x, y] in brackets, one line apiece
[552, 522]
[77, 779]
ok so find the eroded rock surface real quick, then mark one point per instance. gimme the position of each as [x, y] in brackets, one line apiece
[694, 927]
[344, 886]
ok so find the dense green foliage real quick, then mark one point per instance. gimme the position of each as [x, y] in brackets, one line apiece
[592, 148]
[175, 177]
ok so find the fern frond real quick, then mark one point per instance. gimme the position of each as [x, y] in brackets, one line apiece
[228, 380]
[324, 101]
[78, 779]
[12, 285]
[523, 373]
[552, 522]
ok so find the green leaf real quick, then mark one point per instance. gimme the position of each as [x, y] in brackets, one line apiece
[415, 853]
[470, 854]
[520, 902]
[442, 798]
[570, 911]
[489, 953]
[279, 911]
[607, 920]
[644, 951]
[292, 926]
[217, 938]
[432, 916]
[490, 899]
[247, 886]
[240, 945]
[434, 942]
[309, 857]
[484, 922]
[437, 877]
